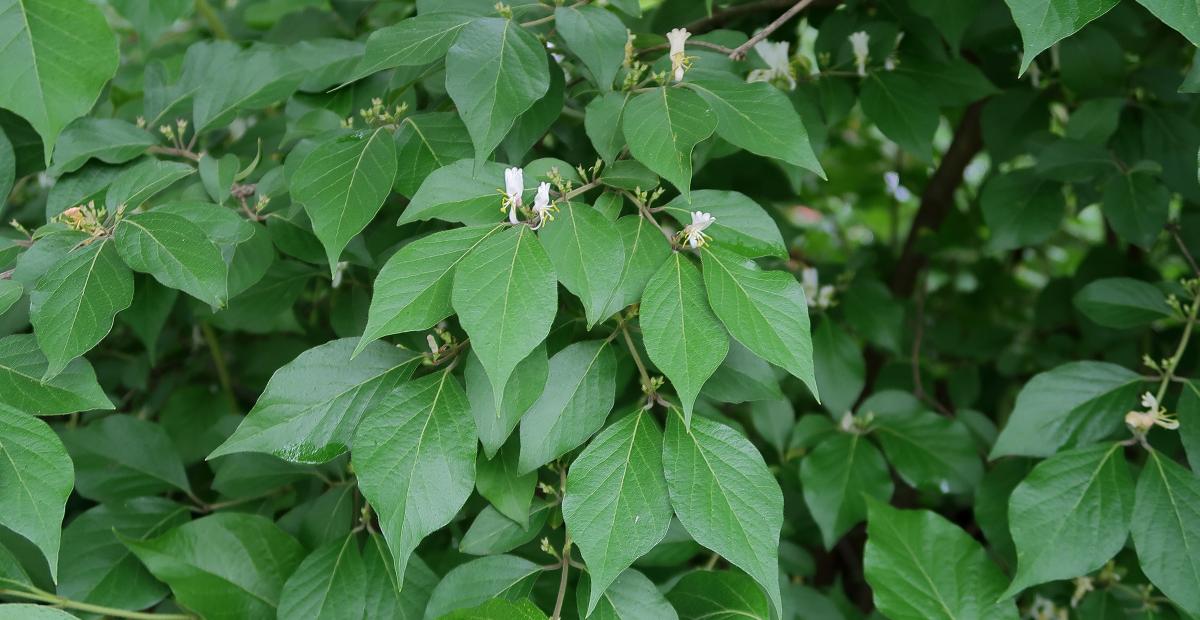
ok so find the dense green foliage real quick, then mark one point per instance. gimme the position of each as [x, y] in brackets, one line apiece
[617, 309]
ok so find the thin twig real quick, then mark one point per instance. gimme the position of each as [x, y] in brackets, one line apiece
[662, 47]
[740, 51]
[1173, 362]
[205, 10]
[637, 359]
[1174, 228]
[915, 361]
[41, 596]
[174, 152]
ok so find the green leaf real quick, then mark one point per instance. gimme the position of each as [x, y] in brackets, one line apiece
[25, 611]
[1182, 15]
[37, 479]
[225, 78]
[500, 482]
[73, 306]
[8, 164]
[106, 469]
[1136, 206]
[758, 117]
[414, 456]
[499, 609]
[1189, 422]
[459, 193]
[109, 140]
[929, 451]
[66, 53]
[645, 251]
[218, 175]
[141, 181]
[839, 367]
[741, 224]
[764, 310]
[10, 292]
[1074, 404]
[743, 377]
[176, 252]
[389, 598]
[662, 128]
[631, 596]
[1070, 515]
[311, 406]
[506, 296]
[481, 580]
[415, 41]
[584, 377]
[1045, 22]
[588, 254]
[628, 174]
[152, 19]
[724, 595]
[412, 290]
[97, 568]
[227, 565]
[922, 567]
[838, 477]
[1166, 530]
[725, 496]
[903, 110]
[495, 418]
[343, 183]
[329, 584]
[951, 17]
[22, 366]
[1122, 303]
[602, 122]
[492, 533]
[425, 143]
[495, 71]
[1021, 209]
[617, 506]
[682, 336]
[597, 37]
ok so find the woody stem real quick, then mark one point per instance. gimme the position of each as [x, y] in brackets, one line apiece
[740, 51]
[1173, 362]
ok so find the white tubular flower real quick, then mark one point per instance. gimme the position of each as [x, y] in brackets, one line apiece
[514, 186]
[861, 42]
[779, 65]
[693, 234]
[894, 188]
[677, 37]
[542, 206]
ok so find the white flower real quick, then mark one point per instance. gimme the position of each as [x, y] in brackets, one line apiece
[542, 206]
[779, 65]
[894, 188]
[861, 42]
[678, 58]
[693, 234]
[1140, 422]
[817, 296]
[514, 186]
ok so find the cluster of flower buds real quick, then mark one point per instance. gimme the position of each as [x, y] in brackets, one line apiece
[377, 115]
[86, 218]
[175, 134]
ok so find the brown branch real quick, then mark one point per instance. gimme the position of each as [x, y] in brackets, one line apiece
[740, 51]
[937, 201]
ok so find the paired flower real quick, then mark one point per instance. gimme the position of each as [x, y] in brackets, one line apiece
[817, 296]
[693, 234]
[779, 64]
[679, 59]
[513, 201]
[861, 43]
[1140, 422]
[894, 188]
